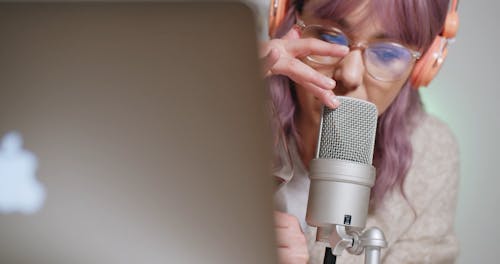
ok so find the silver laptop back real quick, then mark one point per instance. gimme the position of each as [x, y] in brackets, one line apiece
[147, 126]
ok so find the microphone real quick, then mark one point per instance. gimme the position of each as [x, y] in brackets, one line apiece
[342, 173]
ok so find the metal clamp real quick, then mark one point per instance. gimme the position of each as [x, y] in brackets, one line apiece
[371, 241]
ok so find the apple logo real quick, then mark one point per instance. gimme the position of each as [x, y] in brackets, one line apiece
[19, 189]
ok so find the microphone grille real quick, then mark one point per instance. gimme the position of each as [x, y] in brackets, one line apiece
[348, 132]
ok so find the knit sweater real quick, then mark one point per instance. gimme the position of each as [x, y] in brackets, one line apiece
[431, 192]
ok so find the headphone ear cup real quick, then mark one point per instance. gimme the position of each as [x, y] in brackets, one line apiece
[450, 25]
[428, 66]
[277, 12]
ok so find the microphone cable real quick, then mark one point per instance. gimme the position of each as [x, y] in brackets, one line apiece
[329, 257]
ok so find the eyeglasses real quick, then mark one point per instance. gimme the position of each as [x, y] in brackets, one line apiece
[384, 60]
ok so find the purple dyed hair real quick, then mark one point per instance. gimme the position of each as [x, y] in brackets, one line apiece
[413, 22]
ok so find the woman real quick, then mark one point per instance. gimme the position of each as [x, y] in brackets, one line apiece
[366, 49]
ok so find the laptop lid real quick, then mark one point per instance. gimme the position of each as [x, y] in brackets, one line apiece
[133, 133]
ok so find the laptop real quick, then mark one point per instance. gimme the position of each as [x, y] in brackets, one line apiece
[133, 133]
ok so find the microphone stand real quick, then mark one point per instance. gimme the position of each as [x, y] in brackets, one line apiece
[354, 241]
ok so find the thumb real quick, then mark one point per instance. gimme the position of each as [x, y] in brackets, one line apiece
[269, 60]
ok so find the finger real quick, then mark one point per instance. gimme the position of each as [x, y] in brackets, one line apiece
[302, 73]
[311, 46]
[293, 33]
[326, 97]
[269, 60]
[282, 237]
[290, 256]
[284, 220]
[288, 222]
[281, 219]
[288, 237]
[316, 83]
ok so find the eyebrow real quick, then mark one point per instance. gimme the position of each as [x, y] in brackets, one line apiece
[346, 25]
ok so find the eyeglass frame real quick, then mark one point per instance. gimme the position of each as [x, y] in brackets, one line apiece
[360, 45]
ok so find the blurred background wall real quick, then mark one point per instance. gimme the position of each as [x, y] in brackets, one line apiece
[465, 95]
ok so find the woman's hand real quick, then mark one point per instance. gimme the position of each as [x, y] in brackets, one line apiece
[282, 57]
[292, 244]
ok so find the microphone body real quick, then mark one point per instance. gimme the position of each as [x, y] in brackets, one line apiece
[342, 173]
[339, 193]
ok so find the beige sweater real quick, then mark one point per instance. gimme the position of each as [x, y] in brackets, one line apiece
[431, 187]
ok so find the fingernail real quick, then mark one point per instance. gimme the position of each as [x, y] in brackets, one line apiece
[329, 82]
[334, 101]
[345, 49]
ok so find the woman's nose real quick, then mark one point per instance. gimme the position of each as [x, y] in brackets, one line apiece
[350, 70]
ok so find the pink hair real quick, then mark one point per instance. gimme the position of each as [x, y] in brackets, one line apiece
[413, 22]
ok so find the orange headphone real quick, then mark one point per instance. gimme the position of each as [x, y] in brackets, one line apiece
[426, 67]
[277, 13]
